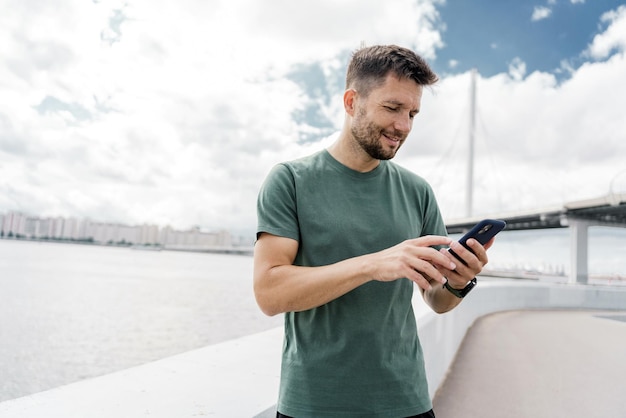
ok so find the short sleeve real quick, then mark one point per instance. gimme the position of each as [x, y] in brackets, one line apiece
[433, 222]
[276, 204]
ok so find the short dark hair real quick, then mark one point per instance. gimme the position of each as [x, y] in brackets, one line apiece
[369, 67]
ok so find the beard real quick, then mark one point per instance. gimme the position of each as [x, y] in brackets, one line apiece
[367, 135]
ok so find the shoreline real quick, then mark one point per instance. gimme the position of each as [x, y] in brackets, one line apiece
[210, 250]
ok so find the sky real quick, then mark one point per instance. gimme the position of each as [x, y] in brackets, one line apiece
[172, 113]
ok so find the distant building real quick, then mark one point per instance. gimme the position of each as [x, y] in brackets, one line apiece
[13, 224]
[194, 239]
[18, 225]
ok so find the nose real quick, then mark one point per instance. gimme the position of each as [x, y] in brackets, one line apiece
[403, 123]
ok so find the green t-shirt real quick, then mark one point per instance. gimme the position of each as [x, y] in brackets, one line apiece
[358, 355]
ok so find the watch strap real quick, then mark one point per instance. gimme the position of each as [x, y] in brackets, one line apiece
[461, 293]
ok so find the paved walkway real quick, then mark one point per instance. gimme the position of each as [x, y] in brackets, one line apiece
[538, 364]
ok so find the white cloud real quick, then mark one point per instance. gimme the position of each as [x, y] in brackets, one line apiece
[540, 13]
[173, 112]
[517, 69]
[168, 112]
[614, 38]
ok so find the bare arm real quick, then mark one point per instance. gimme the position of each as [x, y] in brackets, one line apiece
[439, 298]
[279, 286]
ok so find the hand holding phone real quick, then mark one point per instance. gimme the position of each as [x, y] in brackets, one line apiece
[481, 232]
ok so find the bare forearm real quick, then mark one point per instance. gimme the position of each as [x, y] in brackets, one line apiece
[280, 286]
[289, 288]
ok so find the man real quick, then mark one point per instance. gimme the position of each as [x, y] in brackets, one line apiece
[342, 236]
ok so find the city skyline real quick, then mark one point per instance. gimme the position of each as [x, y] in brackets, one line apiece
[27, 226]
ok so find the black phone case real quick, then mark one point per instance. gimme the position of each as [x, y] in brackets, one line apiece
[482, 232]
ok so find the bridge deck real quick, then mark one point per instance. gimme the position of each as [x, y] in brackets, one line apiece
[608, 210]
[539, 364]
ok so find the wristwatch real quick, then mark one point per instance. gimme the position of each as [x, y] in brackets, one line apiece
[461, 293]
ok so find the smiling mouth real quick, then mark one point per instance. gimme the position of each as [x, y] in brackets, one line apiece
[393, 139]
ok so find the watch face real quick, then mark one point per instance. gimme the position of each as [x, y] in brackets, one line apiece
[469, 287]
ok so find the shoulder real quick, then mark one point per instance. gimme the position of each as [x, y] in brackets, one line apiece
[288, 173]
[407, 176]
[309, 162]
[301, 169]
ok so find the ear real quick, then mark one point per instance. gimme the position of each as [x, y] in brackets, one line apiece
[349, 101]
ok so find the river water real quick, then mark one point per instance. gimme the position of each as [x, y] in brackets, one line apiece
[70, 312]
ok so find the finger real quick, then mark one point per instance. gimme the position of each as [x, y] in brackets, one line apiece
[458, 251]
[452, 275]
[479, 251]
[435, 256]
[438, 260]
[489, 243]
[474, 262]
[468, 266]
[426, 268]
[431, 241]
[419, 280]
[460, 277]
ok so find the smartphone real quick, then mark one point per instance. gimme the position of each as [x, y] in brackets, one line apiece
[482, 232]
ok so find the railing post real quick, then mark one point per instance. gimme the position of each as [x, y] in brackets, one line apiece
[579, 244]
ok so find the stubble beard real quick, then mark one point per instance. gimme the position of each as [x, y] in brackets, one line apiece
[367, 135]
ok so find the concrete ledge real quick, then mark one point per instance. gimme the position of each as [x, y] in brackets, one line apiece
[239, 378]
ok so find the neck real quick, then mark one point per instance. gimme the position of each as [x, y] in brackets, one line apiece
[349, 153]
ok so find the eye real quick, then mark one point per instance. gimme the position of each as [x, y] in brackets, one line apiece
[391, 108]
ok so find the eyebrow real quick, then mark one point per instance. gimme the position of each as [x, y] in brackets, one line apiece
[393, 102]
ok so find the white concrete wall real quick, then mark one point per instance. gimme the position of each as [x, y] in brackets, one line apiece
[441, 335]
[239, 378]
